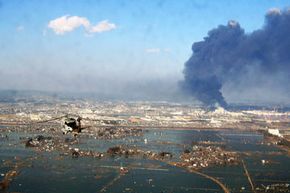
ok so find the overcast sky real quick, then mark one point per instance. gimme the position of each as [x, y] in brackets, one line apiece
[110, 45]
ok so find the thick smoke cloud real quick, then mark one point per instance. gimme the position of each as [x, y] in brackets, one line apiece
[228, 54]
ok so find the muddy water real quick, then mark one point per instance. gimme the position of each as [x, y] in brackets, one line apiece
[50, 172]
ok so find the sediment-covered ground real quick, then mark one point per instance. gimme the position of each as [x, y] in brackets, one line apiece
[141, 148]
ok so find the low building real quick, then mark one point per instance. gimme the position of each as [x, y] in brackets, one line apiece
[275, 132]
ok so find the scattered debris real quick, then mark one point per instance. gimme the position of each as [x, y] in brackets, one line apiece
[4, 184]
[114, 150]
[116, 133]
[264, 162]
[38, 141]
[110, 122]
[123, 170]
[164, 155]
[75, 153]
[206, 156]
[274, 188]
[4, 136]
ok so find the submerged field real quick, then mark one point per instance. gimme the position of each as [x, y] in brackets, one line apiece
[142, 147]
[57, 171]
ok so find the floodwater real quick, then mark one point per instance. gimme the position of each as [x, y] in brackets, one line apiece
[50, 172]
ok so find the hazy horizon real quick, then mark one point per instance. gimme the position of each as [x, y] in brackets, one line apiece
[127, 49]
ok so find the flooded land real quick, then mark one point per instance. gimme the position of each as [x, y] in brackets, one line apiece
[144, 96]
[81, 146]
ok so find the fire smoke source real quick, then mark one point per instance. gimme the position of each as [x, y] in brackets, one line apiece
[228, 53]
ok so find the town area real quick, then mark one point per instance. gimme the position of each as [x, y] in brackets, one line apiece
[116, 144]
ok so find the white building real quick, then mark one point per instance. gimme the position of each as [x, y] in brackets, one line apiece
[275, 132]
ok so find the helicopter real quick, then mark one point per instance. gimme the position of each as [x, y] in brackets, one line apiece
[72, 125]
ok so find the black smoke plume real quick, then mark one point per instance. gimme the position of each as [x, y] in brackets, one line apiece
[228, 53]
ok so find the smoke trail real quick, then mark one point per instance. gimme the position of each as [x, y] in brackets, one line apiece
[228, 53]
